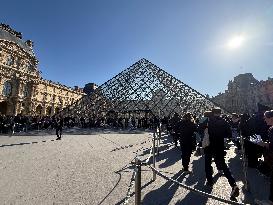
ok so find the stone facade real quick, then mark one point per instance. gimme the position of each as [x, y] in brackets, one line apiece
[22, 89]
[244, 93]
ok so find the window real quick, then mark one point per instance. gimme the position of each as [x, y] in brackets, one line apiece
[29, 66]
[10, 60]
[7, 89]
[26, 91]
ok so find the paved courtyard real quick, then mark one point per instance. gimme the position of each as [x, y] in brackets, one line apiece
[93, 167]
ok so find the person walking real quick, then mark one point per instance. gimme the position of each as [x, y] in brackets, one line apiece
[218, 129]
[185, 132]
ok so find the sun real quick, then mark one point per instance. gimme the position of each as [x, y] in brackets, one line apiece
[235, 42]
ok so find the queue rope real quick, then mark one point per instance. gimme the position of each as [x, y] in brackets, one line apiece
[132, 181]
[194, 190]
[185, 186]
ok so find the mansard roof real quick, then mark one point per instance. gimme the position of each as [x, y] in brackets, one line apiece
[6, 33]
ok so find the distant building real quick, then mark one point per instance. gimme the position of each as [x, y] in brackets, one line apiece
[89, 88]
[22, 89]
[244, 93]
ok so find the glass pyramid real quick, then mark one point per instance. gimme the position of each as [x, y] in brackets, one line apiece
[141, 88]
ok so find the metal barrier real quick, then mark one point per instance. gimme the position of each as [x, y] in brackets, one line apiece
[138, 164]
[138, 182]
[132, 182]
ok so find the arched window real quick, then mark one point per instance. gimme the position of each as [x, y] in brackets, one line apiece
[57, 110]
[48, 111]
[39, 109]
[7, 89]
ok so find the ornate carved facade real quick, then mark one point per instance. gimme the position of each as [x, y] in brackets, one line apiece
[22, 89]
[244, 93]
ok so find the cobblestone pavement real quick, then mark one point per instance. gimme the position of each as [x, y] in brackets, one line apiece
[93, 167]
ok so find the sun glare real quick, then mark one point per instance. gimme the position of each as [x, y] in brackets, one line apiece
[235, 42]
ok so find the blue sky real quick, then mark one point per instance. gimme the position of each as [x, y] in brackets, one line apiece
[85, 41]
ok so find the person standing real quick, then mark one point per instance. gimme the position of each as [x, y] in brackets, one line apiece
[218, 129]
[59, 127]
[173, 123]
[268, 117]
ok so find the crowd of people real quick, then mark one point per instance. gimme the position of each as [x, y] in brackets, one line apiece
[208, 133]
[19, 123]
[252, 135]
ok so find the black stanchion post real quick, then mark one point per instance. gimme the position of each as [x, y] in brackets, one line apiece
[158, 139]
[138, 182]
[154, 174]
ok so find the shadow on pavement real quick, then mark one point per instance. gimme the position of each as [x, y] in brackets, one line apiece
[164, 194]
[196, 178]
[259, 185]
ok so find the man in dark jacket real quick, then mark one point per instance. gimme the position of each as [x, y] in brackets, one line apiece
[218, 129]
[268, 117]
[185, 131]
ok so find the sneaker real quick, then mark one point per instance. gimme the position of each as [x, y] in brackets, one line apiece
[235, 192]
[263, 202]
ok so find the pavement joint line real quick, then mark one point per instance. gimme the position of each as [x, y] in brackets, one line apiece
[25, 143]
[128, 146]
[109, 140]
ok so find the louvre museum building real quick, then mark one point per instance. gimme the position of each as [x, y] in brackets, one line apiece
[22, 89]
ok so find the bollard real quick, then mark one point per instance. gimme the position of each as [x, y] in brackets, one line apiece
[158, 140]
[154, 174]
[138, 182]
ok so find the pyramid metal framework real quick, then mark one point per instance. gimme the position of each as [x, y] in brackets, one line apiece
[141, 88]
